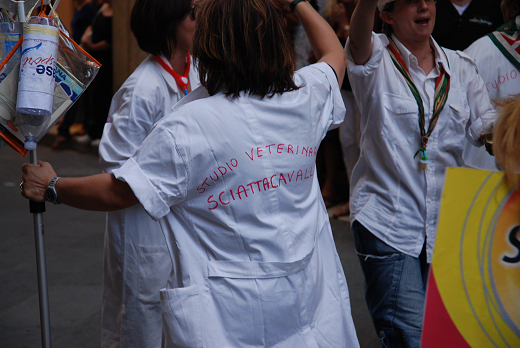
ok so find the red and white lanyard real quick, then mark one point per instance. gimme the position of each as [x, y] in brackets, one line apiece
[183, 81]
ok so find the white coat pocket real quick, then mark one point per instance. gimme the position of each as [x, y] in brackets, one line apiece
[155, 266]
[256, 312]
[181, 316]
[257, 304]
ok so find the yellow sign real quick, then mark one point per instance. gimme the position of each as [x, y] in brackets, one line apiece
[476, 262]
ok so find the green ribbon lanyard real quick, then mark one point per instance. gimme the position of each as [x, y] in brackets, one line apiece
[442, 87]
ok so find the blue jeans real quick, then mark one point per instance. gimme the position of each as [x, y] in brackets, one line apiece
[395, 288]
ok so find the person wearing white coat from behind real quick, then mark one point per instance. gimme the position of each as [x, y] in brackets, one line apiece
[230, 175]
[498, 61]
[136, 259]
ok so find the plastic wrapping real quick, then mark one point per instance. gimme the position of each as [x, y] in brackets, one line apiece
[10, 33]
[75, 70]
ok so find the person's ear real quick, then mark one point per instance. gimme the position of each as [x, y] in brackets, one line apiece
[516, 10]
[387, 17]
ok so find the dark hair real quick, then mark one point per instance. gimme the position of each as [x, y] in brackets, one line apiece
[243, 46]
[385, 27]
[154, 23]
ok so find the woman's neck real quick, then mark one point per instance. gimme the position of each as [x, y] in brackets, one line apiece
[427, 61]
[424, 53]
[178, 61]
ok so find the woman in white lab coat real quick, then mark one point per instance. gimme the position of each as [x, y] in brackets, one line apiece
[230, 175]
[136, 260]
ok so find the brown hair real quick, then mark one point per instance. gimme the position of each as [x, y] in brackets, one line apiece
[506, 138]
[243, 46]
[385, 27]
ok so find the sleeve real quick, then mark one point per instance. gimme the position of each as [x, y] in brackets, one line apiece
[364, 79]
[482, 113]
[157, 173]
[379, 43]
[127, 127]
[326, 91]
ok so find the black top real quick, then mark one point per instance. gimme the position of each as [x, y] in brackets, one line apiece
[81, 20]
[458, 32]
[101, 28]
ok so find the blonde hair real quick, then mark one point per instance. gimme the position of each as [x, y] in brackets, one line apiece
[506, 139]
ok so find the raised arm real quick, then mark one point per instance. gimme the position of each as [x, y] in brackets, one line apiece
[361, 25]
[101, 192]
[323, 39]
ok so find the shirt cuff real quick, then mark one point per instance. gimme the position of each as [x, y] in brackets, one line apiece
[131, 173]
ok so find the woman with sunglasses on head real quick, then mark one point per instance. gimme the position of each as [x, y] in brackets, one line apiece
[230, 176]
[136, 259]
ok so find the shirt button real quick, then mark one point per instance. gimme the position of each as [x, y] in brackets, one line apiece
[427, 225]
[429, 200]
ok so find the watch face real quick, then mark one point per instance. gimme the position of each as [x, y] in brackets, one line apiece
[50, 195]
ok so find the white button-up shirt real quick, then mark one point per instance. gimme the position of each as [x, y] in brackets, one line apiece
[390, 194]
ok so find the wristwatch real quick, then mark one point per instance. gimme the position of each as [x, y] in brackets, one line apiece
[50, 192]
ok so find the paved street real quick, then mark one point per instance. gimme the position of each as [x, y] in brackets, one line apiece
[74, 243]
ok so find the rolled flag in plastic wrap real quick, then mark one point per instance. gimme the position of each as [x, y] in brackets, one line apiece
[36, 79]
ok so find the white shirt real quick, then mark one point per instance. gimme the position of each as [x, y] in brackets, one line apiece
[234, 185]
[391, 195]
[137, 262]
[502, 81]
[461, 9]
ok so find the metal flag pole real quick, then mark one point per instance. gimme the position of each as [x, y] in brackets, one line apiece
[37, 209]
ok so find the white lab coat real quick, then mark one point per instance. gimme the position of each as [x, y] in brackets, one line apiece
[502, 81]
[136, 260]
[233, 184]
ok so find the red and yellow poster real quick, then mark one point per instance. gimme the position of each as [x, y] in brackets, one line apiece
[473, 296]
